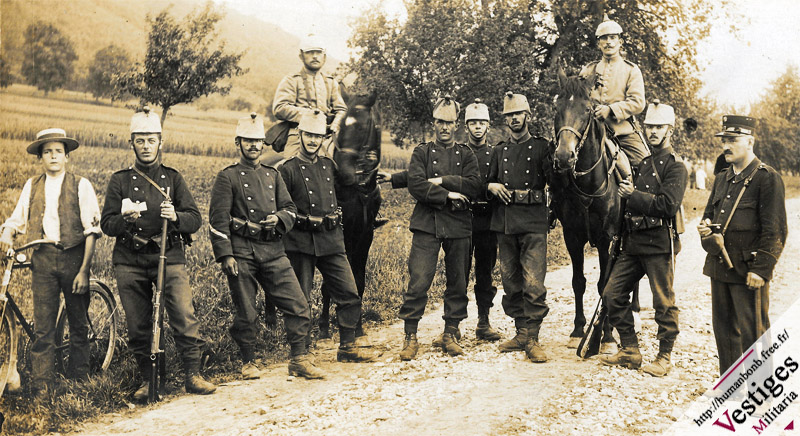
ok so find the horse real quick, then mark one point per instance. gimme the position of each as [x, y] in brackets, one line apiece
[583, 187]
[357, 156]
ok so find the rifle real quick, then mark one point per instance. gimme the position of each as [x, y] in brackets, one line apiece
[157, 360]
[590, 343]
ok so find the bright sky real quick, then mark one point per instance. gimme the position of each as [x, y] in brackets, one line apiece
[736, 70]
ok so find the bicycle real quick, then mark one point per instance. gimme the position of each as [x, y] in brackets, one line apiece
[103, 319]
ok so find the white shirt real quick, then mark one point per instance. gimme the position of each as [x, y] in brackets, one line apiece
[87, 202]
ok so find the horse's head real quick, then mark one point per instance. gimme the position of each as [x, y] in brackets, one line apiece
[573, 119]
[359, 137]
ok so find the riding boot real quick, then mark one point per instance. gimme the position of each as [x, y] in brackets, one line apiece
[484, 330]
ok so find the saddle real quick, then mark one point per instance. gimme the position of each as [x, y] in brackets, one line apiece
[623, 170]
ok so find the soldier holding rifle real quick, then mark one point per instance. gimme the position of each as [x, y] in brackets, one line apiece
[748, 208]
[136, 204]
[649, 244]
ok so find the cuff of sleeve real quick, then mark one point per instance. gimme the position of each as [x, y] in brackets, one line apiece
[222, 249]
[93, 230]
[452, 183]
[640, 201]
[618, 113]
[764, 265]
[285, 222]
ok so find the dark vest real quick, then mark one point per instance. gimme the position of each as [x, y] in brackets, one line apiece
[69, 211]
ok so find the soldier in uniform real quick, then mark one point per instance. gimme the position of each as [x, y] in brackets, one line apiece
[442, 176]
[60, 206]
[754, 237]
[317, 239]
[517, 180]
[620, 91]
[138, 199]
[302, 93]
[650, 243]
[484, 241]
[250, 211]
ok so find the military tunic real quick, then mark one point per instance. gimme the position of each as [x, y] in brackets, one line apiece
[484, 241]
[754, 241]
[649, 241]
[522, 229]
[622, 89]
[252, 193]
[299, 93]
[136, 270]
[436, 226]
[311, 186]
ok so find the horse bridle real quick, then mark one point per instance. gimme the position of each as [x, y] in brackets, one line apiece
[575, 174]
[370, 126]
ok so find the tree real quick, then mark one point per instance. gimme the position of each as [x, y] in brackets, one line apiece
[184, 61]
[778, 133]
[483, 48]
[49, 57]
[108, 62]
[5, 74]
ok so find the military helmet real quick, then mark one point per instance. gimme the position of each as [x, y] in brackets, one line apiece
[659, 114]
[145, 121]
[476, 111]
[608, 27]
[515, 103]
[313, 122]
[250, 127]
[311, 43]
[446, 109]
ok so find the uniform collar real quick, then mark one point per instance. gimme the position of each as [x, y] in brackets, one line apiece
[247, 163]
[306, 71]
[148, 169]
[613, 60]
[479, 146]
[303, 158]
[667, 149]
[745, 172]
[439, 144]
[524, 138]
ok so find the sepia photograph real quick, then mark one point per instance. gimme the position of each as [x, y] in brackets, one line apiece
[399, 217]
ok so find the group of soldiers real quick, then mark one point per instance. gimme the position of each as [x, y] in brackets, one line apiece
[273, 226]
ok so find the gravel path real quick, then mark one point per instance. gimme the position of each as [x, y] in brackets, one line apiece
[482, 392]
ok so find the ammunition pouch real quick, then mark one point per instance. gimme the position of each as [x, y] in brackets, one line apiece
[481, 208]
[142, 245]
[642, 222]
[311, 223]
[528, 196]
[253, 231]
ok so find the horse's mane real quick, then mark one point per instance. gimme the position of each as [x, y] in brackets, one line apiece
[575, 86]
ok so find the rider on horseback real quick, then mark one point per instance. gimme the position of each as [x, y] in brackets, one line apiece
[619, 91]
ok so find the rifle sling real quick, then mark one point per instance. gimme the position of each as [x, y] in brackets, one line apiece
[739, 197]
[158, 188]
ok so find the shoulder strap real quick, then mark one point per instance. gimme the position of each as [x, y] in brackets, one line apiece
[655, 171]
[158, 188]
[741, 193]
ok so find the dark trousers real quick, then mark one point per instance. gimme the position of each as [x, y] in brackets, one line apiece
[617, 295]
[281, 287]
[136, 285]
[336, 273]
[733, 314]
[523, 265]
[422, 261]
[484, 247]
[54, 272]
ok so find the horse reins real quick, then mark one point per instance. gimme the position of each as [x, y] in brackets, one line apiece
[575, 173]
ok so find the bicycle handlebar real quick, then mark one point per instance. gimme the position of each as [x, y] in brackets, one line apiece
[39, 242]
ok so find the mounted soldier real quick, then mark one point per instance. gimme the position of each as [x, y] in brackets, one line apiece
[650, 244]
[303, 92]
[619, 91]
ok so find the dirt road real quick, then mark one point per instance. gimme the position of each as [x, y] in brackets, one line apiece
[482, 392]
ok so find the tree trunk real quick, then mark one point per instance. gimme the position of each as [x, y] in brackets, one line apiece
[165, 110]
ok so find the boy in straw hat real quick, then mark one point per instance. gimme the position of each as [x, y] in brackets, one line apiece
[60, 206]
[250, 211]
[138, 199]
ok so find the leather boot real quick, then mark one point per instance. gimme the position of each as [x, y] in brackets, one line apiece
[659, 367]
[302, 366]
[251, 372]
[410, 347]
[196, 384]
[450, 343]
[437, 342]
[534, 351]
[141, 394]
[349, 352]
[517, 343]
[627, 357]
[484, 330]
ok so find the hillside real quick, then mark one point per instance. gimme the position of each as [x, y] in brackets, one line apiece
[93, 24]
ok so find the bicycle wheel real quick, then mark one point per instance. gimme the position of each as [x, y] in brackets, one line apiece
[102, 330]
[8, 349]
